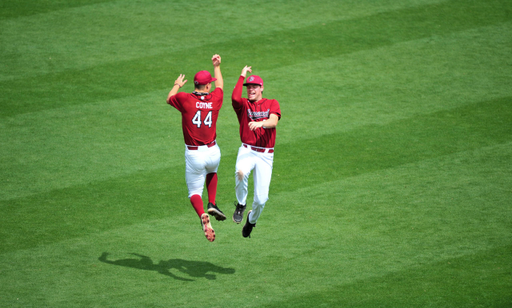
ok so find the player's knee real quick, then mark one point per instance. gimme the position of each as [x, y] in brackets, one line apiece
[240, 175]
[260, 200]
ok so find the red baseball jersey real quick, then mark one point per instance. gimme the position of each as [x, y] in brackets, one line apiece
[254, 111]
[199, 115]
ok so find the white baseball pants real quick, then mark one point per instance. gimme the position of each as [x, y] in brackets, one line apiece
[198, 163]
[261, 164]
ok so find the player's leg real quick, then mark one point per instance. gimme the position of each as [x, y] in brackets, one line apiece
[243, 169]
[213, 209]
[195, 176]
[197, 204]
[211, 186]
[212, 159]
[244, 165]
[262, 175]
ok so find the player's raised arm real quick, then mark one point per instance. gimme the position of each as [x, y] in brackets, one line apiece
[245, 70]
[236, 97]
[177, 85]
[219, 83]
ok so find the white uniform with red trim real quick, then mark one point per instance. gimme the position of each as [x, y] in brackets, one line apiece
[199, 121]
[256, 154]
[198, 163]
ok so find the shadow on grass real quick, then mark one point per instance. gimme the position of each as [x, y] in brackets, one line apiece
[196, 269]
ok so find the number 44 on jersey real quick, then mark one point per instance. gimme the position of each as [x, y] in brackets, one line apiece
[207, 120]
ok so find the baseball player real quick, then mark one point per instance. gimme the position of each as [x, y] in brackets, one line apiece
[199, 112]
[258, 118]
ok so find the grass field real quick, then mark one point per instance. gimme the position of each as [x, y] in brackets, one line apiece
[392, 181]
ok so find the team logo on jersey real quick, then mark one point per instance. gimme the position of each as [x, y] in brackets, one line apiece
[258, 115]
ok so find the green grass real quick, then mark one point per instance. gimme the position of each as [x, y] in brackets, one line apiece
[392, 172]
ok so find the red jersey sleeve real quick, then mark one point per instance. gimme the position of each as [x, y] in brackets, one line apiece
[177, 99]
[236, 97]
[275, 108]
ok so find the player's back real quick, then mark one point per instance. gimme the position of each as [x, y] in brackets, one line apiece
[199, 116]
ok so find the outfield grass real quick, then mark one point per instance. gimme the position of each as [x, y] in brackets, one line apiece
[392, 173]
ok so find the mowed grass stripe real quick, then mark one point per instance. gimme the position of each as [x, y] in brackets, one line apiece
[69, 146]
[19, 8]
[419, 208]
[82, 37]
[287, 47]
[71, 212]
[395, 219]
[385, 84]
[377, 147]
[478, 280]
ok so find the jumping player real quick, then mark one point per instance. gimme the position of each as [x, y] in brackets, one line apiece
[199, 112]
[258, 118]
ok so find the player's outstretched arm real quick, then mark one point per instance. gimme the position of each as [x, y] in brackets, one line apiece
[219, 83]
[177, 85]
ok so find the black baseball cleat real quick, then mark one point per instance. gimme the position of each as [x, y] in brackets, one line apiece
[239, 212]
[215, 211]
[247, 229]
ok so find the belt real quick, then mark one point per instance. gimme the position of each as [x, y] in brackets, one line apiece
[258, 149]
[196, 147]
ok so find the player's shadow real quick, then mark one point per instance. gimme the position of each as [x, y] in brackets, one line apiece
[196, 269]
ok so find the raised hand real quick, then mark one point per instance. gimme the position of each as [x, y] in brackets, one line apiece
[245, 70]
[179, 82]
[216, 60]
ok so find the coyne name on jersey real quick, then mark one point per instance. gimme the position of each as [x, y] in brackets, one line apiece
[203, 105]
[257, 115]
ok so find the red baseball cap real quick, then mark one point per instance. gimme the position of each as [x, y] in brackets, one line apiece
[254, 79]
[203, 77]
